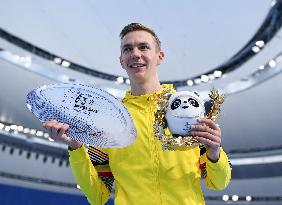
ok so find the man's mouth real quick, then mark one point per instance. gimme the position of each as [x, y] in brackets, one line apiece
[137, 65]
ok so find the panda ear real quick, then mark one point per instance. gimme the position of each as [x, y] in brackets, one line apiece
[196, 93]
[169, 95]
[208, 105]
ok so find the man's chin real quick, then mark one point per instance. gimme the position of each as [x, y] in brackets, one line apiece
[139, 77]
[138, 70]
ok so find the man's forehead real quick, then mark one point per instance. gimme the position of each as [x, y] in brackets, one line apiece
[137, 37]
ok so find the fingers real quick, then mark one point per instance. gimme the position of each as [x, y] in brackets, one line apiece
[209, 123]
[206, 136]
[207, 132]
[62, 128]
[56, 130]
[205, 129]
[208, 139]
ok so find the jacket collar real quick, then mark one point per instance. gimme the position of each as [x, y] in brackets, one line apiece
[128, 94]
[141, 100]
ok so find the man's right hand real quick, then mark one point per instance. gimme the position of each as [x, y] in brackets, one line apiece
[56, 131]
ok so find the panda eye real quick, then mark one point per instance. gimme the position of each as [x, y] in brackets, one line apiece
[193, 102]
[175, 104]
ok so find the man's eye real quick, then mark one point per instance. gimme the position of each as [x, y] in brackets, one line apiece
[126, 49]
[144, 47]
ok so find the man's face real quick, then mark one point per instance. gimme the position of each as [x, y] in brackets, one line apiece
[140, 56]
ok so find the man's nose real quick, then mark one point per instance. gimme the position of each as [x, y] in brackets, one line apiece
[136, 54]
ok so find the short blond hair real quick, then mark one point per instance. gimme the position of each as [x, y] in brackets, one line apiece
[140, 27]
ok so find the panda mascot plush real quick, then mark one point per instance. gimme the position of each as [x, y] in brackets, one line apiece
[184, 108]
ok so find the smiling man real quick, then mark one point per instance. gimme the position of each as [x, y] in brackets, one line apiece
[143, 172]
[140, 56]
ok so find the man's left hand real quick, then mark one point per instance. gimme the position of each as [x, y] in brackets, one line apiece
[209, 134]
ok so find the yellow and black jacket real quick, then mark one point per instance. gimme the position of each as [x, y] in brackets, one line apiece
[143, 172]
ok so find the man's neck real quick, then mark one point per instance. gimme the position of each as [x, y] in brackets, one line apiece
[145, 88]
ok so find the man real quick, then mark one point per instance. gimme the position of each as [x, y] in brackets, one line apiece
[143, 172]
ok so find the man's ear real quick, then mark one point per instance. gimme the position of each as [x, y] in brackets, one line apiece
[121, 62]
[161, 57]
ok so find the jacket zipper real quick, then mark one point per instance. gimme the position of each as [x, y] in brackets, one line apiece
[155, 154]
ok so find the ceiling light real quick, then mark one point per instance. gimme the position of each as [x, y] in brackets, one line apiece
[57, 60]
[205, 78]
[39, 133]
[28, 58]
[27, 61]
[22, 58]
[198, 81]
[235, 198]
[7, 128]
[20, 128]
[120, 80]
[261, 67]
[273, 3]
[27, 65]
[190, 82]
[66, 64]
[14, 127]
[260, 43]
[225, 197]
[32, 131]
[127, 81]
[26, 130]
[255, 49]
[16, 57]
[211, 76]
[272, 63]
[248, 198]
[217, 73]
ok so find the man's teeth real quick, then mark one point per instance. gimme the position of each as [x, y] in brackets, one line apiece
[137, 66]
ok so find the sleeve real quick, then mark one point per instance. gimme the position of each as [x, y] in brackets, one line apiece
[89, 177]
[217, 175]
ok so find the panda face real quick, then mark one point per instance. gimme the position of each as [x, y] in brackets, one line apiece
[186, 105]
[183, 110]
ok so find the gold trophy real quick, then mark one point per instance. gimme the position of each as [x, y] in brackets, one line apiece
[175, 141]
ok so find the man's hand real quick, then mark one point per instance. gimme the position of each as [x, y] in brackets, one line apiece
[57, 131]
[209, 134]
